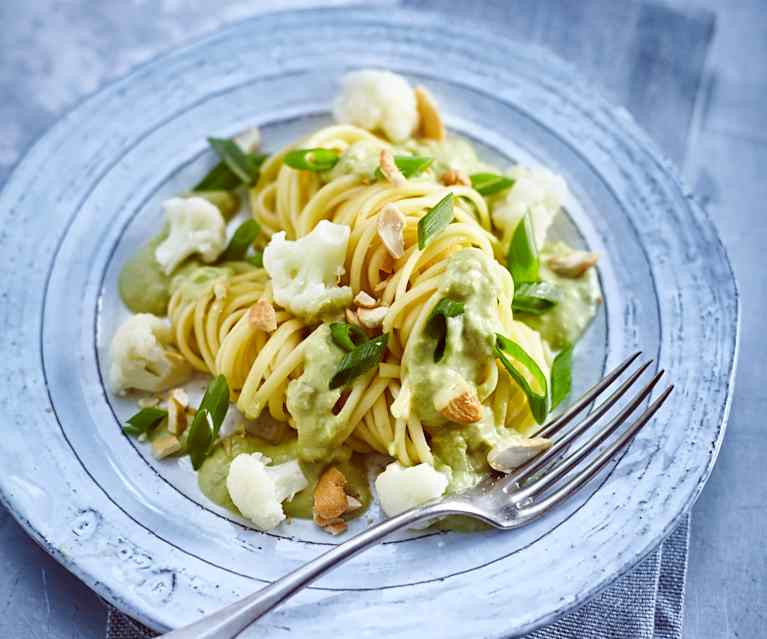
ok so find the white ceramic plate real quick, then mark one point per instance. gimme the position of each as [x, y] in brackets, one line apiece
[140, 533]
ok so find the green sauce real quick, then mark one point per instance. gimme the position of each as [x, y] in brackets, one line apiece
[212, 475]
[567, 321]
[144, 288]
[311, 402]
[470, 337]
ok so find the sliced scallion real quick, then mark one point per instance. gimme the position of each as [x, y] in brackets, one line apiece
[436, 325]
[536, 298]
[359, 361]
[490, 183]
[538, 400]
[561, 376]
[347, 336]
[522, 259]
[257, 259]
[207, 420]
[244, 166]
[435, 221]
[241, 241]
[144, 421]
[317, 159]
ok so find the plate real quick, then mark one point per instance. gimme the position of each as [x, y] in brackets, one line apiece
[138, 531]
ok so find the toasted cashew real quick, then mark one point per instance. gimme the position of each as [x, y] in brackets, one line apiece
[263, 316]
[573, 265]
[330, 494]
[365, 300]
[453, 177]
[463, 409]
[176, 412]
[352, 318]
[165, 445]
[372, 317]
[391, 226]
[389, 169]
[431, 121]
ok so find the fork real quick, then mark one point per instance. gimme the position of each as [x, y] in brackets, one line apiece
[505, 502]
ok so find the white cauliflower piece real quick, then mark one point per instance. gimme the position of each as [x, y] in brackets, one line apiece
[142, 358]
[401, 489]
[258, 489]
[378, 100]
[305, 272]
[196, 226]
[537, 190]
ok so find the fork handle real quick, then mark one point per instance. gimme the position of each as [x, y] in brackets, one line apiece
[229, 622]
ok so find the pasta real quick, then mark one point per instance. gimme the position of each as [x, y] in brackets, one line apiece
[379, 317]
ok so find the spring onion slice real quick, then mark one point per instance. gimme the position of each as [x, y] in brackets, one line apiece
[522, 259]
[360, 360]
[490, 183]
[257, 259]
[435, 221]
[241, 241]
[409, 165]
[436, 325]
[222, 178]
[536, 299]
[144, 421]
[317, 159]
[207, 420]
[538, 401]
[244, 166]
[561, 376]
[347, 336]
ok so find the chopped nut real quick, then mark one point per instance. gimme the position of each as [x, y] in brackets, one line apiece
[334, 526]
[463, 409]
[381, 285]
[330, 495]
[148, 402]
[372, 317]
[506, 457]
[352, 318]
[573, 265]
[176, 412]
[431, 122]
[364, 300]
[180, 396]
[391, 225]
[389, 169]
[263, 316]
[165, 445]
[454, 176]
[352, 503]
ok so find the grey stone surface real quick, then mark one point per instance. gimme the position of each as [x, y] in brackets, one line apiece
[53, 53]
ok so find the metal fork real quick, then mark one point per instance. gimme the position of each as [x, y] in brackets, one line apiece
[504, 502]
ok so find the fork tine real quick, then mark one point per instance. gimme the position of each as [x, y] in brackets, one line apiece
[577, 482]
[539, 461]
[589, 396]
[572, 460]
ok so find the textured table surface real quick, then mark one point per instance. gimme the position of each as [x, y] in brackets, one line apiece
[52, 53]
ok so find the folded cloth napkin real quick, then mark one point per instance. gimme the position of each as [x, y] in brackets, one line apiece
[650, 58]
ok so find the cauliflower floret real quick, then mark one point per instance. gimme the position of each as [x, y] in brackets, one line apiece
[258, 489]
[400, 488]
[196, 226]
[537, 190]
[142, 359]
[304, 272]
[377, 100]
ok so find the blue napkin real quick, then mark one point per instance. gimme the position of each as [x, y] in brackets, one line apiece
[649, 58]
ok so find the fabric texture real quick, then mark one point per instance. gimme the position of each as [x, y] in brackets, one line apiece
[649, 58]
